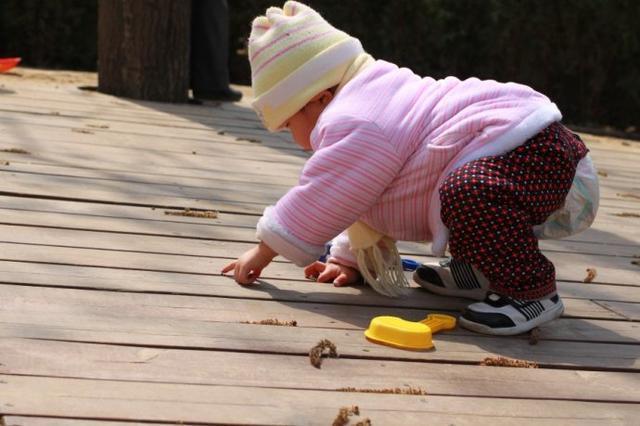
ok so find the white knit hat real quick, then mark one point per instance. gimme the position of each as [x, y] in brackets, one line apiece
[294, 55]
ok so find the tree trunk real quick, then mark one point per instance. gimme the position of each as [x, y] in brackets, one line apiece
[143, 49]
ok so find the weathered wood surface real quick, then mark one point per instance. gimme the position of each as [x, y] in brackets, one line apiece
[113, 312]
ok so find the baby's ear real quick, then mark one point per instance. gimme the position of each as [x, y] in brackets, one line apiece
[323, 97]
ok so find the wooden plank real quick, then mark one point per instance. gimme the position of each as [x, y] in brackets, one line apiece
[211, 150]
[227, 243]
[85, 101]
[52, 275]
[86, 188]
[59, 153]
[224, 143]
[206, 335]
[629, 311]
[241, 168]
[206, 149]
[204, 177]
[129, 363]
[106, 109]
[145, 172]
[109, 213]
[193, 239]
[47, 275]
[122, 190]
[123, 244]
[197, 127]
[108, 400]
[82, 147]
[185, 116]
[606, 242]
[181, 322]
[569, 267]
[238, 129]
[87, 157]
[222, 118]
[162, 120]
[111, 194]
[92, 106]
[53, 213]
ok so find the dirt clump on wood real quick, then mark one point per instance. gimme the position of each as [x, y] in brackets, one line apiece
[592, 273]
[207, 214]
[273, 321]
[603, 173]
[252, 140]
[15, 151]
[86, 131]
[534, 336]
[628, 195]
[398, 391]
[342, 419]
[625, 214]
[508, 362]
[316, 352]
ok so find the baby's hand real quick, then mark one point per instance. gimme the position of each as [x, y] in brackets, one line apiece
[249, 266]
[340, 275]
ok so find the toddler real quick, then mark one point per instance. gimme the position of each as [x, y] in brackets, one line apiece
[481, 166]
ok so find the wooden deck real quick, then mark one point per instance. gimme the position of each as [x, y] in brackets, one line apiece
[112, 311]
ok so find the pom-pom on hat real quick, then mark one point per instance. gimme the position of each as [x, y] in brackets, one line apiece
[294, 55]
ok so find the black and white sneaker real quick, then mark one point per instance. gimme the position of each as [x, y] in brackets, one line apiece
[451, 277]
[504, 316]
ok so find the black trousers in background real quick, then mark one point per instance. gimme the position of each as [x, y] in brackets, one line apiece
[209, 46]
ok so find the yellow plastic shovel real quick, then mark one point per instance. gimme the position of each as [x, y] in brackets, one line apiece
[403, 334]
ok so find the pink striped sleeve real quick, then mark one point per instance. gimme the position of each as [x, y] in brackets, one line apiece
[352, 167]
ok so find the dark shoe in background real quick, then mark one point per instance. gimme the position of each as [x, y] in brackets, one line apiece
[228, 95]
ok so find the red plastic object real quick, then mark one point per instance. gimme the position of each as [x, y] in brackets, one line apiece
[7, 63]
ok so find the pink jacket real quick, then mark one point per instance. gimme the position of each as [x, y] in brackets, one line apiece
[383, 146]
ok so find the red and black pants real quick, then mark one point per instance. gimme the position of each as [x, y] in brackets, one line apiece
[491, 205]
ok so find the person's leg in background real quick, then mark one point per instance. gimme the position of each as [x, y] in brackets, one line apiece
[210, 51]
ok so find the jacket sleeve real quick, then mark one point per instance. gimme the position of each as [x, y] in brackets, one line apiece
[341, 251]
[352, 166]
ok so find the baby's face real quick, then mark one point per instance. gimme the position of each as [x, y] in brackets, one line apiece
[301, 124]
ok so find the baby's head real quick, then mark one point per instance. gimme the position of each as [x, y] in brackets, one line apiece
[296, 58]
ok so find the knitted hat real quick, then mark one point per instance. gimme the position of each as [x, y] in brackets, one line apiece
[294, 55]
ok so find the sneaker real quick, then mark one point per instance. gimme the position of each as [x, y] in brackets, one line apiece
[502, 315]
[451, 277]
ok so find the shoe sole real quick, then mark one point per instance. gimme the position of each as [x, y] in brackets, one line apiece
[475, 294]
[555, 313]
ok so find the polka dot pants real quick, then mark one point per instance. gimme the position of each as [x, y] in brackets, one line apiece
[490, 206]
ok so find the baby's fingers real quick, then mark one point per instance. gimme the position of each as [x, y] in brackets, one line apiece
[342, 280]
[328, 275]
[314, 269]
[245, 275]
[229, 267]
